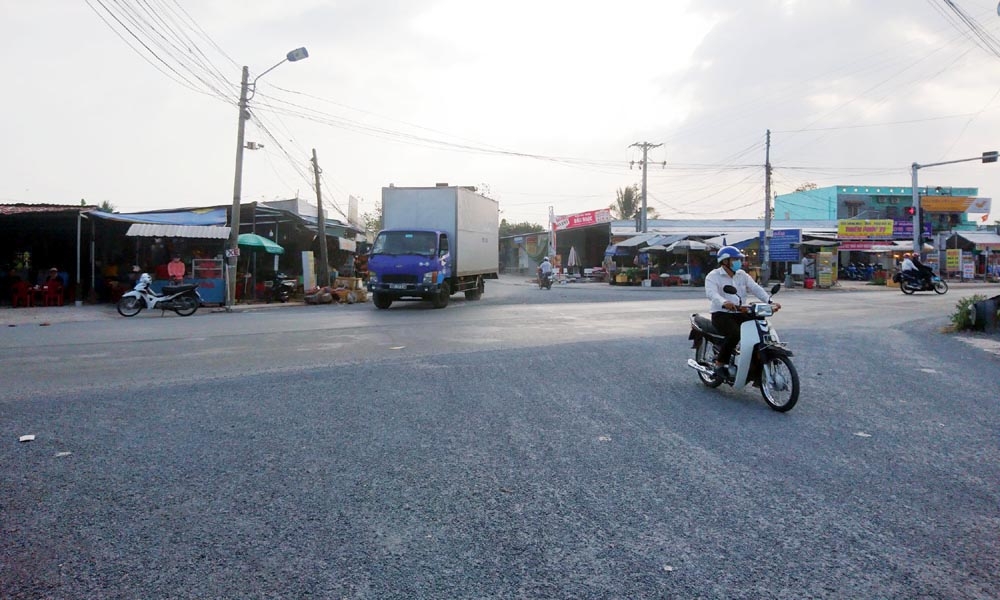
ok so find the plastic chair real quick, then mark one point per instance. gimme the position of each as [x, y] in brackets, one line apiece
[21, 294]
[54, 295]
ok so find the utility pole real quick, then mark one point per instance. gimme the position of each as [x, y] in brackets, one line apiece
[646, 146]
[233, 255]
[987, 157]
[765, 254]
[324, 263]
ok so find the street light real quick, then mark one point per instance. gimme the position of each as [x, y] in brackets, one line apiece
[986, 157]
[233, 253]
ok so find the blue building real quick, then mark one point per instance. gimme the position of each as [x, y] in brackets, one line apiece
[872, 202]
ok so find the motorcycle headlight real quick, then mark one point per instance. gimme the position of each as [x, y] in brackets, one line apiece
[763, 310]
[430, 277]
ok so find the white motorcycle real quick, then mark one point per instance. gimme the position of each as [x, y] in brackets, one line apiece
[183, 299]
[760, 358]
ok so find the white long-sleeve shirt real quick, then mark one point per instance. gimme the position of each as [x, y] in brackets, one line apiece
[741, 280]
[908, 265]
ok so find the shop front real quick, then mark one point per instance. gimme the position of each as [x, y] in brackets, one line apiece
[200, 250]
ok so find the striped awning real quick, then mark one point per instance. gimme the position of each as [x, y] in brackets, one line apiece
[178, 231]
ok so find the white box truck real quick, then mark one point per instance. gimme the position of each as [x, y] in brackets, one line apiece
[435, 241]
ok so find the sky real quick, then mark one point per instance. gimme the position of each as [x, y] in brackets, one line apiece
[538, 103]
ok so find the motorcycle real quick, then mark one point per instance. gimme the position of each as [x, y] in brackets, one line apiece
[282, 287]
[545, 281]
[183, 299]
[909, 284]
[760, 358]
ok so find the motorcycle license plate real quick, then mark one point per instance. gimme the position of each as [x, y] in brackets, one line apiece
[397, 286]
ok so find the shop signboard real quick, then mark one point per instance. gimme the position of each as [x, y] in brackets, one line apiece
[955, 204]
[953, 260]
[825, 268]
[308, 270]
[865, 229]
[781, 249]
[583, 219]
[902, 229]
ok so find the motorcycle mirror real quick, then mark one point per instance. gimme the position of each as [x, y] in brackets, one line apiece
[729, 289]
[775, 289]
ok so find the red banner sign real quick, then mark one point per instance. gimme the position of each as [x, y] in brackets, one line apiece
[584, 219]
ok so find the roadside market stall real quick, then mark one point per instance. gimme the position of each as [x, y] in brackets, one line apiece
[200, 247]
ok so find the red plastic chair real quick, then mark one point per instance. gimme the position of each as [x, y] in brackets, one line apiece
[54, 295]
[21, 294]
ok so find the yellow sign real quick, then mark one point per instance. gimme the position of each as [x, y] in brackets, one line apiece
[864, 229]
[955, 204]
[953, 259]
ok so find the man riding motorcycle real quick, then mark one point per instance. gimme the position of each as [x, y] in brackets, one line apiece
[544, 270]
[916, 270]
[727, 314]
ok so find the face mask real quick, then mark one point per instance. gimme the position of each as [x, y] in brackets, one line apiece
[736, 265]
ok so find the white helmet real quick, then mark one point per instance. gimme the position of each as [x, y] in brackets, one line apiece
[728, 252]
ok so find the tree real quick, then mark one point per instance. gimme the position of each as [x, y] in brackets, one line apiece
[629, 203]
[107, 207]
[519, 228]
[372, 221]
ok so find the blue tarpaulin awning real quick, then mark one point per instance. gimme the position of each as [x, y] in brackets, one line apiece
[207, 216]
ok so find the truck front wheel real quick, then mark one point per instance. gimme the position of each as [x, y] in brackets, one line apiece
[444, 294]
[381, 301]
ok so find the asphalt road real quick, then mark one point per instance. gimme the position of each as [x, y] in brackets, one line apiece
[530, 445]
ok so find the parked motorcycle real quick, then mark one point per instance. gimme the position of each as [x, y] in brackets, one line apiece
[760, 358]
[282, 287]
[909, 284]
[183, 299]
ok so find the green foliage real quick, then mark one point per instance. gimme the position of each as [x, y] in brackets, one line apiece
[519, 228]
[629, 203]
[372, 221]
[962, 317]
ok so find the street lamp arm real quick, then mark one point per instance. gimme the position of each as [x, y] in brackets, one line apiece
[947, 162]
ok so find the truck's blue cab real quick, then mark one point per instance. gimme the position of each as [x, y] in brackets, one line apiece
[411, 263]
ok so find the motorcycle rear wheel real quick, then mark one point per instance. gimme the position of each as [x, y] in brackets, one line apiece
[905, 288]
[940, 287]
[779, 383]
[704, 355]
[185, 306]
[129, 306]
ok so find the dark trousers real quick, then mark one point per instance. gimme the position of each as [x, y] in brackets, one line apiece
[728, 324]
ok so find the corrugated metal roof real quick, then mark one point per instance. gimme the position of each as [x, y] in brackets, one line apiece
[27, 209]
[178, 231]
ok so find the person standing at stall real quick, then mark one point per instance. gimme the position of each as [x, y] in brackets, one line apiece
[176, 269]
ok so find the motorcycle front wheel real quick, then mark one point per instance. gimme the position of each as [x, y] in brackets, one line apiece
[779, 383]
[940, 287]
[129, 306]
[185, 306]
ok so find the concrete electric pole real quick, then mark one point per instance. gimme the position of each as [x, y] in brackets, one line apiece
[765, 254]
[646, 146]
[324, 262]
[233, 253]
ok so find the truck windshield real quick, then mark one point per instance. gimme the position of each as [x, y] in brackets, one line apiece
[423, 243]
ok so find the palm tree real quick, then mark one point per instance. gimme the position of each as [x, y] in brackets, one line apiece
[629, 203]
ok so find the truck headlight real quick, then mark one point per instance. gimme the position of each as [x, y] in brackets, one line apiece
[430, 277]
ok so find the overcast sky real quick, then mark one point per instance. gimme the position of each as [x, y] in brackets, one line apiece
[535, 101]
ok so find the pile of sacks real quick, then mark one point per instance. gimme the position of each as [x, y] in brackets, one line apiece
[319, 295]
